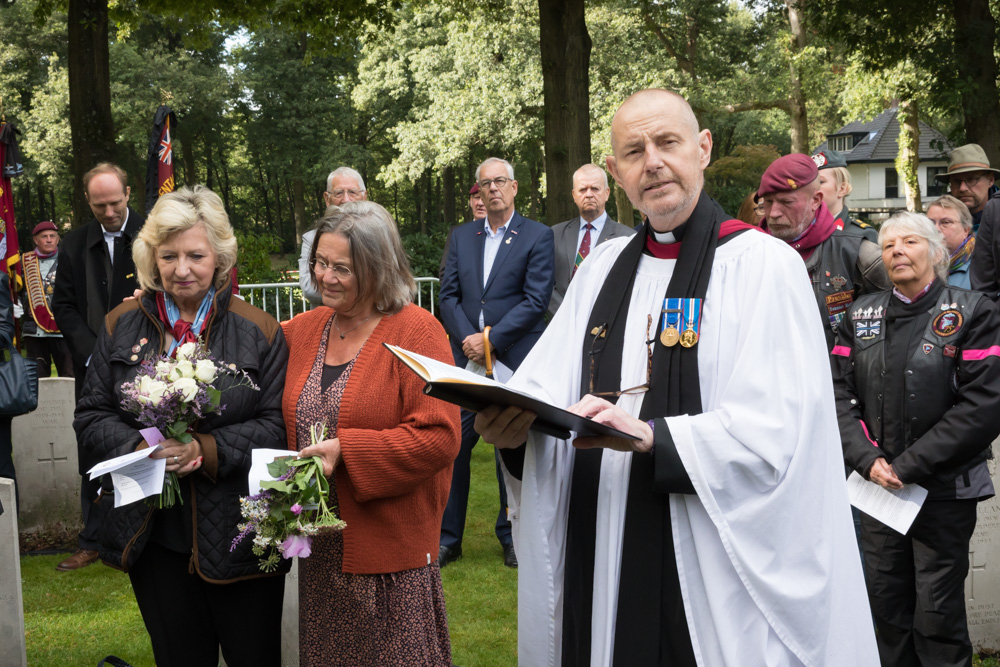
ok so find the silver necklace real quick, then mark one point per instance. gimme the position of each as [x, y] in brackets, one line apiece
[344, 333]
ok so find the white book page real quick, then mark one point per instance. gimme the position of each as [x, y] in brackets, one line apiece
[896, 509]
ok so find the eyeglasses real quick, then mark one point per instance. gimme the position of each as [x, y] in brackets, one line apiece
[970, 181]
[632, 391]
[946, 223]
[487, 182]
[353, 194]
[320, 267]
[759, 209]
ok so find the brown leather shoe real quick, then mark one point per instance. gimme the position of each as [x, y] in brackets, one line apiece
[82, 558]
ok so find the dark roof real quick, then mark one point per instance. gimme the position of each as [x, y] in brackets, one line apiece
[876, 140]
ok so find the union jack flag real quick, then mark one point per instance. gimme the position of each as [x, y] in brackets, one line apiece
[166, 152]
[868, 329]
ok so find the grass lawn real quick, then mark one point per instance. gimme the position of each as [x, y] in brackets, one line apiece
[75, 619]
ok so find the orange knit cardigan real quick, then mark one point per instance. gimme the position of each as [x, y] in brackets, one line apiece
[397, 443]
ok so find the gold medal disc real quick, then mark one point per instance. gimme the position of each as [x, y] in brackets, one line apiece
[669, 336]
[689, 338]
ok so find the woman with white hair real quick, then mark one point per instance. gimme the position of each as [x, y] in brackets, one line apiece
[917, 381]
[954, 221]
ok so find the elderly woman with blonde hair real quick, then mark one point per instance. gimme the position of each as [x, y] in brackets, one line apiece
[195, 595]
[917, 380]
[371, 595]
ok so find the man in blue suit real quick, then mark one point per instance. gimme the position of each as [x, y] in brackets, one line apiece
[499, 274]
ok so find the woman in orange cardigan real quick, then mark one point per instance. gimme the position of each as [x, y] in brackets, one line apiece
[372, 594]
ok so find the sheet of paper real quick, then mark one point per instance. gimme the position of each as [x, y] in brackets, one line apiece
[259, 458]
[118, 462]
[139, 480]
[896, 509]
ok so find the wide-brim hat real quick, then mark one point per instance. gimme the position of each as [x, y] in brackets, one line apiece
[970, 157]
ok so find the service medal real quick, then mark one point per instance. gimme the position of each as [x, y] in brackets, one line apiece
[689, 338]
[670, 337]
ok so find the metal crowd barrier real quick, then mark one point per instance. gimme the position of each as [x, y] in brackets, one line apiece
[285, 300]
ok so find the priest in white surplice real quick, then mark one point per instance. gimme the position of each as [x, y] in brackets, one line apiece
[723, 535]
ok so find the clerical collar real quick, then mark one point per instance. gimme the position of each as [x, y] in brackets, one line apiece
[675, 235]
[905, 299]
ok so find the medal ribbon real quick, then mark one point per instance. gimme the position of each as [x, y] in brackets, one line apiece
[671, 314]
[692, 314]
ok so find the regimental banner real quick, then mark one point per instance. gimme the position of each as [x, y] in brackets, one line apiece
[37, 298]
[160, 157]
[9, 248]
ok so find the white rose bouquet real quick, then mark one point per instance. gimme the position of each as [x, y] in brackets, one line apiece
[171, 394]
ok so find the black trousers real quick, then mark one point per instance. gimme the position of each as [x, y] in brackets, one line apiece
[188, 619]
[453, 521]
[87, 539]
[916, 585]
[49, 350]
[7, 457]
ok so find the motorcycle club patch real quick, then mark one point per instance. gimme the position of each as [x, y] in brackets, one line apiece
[947, 323]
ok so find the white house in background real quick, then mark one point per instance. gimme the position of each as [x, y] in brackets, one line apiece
[870, 150]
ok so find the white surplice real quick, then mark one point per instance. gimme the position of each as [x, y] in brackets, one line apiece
[766, 552]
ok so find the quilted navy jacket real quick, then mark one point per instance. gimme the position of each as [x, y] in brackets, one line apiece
[237, 333]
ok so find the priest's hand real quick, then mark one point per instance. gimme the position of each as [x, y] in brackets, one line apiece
[882, 473]
[504, 428]
[328, 451]
[603, 412]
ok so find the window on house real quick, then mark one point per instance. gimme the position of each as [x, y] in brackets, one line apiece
[936, 188]
[891, 183]
[842, 144]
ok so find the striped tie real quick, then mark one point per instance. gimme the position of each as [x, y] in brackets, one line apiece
[584, 250]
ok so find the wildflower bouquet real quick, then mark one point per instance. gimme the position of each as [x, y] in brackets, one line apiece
[289, 510]
[171, 394]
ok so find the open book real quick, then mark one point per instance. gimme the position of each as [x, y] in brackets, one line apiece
[475, 392]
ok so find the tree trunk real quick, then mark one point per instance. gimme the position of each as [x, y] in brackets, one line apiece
[42, 213]
[448, 189]
[299, 205]
[565, 51]
[263, 191]
[425, 190]
[908, 159]
[187, 157]
[800, 125]
[626, 214]
[975, 37]
[209, 166]
[91, 126]
[225, 179]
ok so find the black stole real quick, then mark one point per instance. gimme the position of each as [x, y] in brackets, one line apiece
[651, 628]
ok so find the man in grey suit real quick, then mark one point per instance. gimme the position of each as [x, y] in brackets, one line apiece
[574, 238]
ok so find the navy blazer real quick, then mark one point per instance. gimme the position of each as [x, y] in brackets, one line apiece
[516, 294]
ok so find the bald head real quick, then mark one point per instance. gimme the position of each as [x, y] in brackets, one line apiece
[659, 156]
[660, 100]
[590, 191]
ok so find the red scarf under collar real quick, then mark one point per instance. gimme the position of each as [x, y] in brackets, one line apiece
[820, 230]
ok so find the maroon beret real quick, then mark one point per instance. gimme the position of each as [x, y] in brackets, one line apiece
[474, 189]
[788, 173]
[43, 226]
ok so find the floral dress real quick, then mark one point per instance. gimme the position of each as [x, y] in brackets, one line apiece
[396, 618]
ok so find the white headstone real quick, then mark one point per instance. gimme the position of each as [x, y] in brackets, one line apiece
[12, 650]
[982, 586]
[290, 619]
[45, 458]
